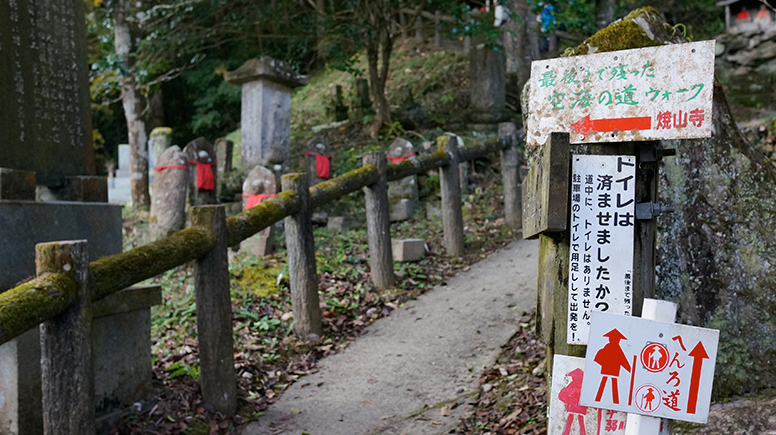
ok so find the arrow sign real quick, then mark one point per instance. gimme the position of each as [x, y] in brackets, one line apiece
[586, 125]
[698, 354]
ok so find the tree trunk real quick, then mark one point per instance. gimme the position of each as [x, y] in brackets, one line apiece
[604, 13]
[378, 57]
[133, 109]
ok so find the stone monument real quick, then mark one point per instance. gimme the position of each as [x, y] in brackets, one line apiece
[47, 146]
[487, 93]
[266, 110]
[259, 185]
[201, 158]
[402, 194]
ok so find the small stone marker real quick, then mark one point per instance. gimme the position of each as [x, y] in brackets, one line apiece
[259, 185]
[341, 224]
[337, 109]
[566, 415]
[648, 367]
[602, 223]
[648, 93]
[402, 194]
[318, 159]
[405, 250]
[363, 104]
[266, 110]
[161, 139]
[224, 149]
[202, 171]
[168, 195]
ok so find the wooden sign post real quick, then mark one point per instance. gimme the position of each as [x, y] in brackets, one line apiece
[593, 207]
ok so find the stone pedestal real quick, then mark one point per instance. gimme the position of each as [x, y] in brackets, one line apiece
[402, 194]
[121, 348]
[121, 340]
[260, 181]
[266, 110]
[22, 225]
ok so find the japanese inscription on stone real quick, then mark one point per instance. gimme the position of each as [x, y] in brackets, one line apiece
[45, 124]
[602, 222]
[643, 94]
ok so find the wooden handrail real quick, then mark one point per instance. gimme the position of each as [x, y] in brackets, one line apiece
[27, 305]
[32, 303]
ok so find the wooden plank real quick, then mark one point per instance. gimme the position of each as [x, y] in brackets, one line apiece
[546, 189]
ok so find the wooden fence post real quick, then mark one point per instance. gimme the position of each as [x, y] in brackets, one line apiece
[449, 180]
[67, 374]
[510, 175]
[378, 223]
[214, 314]
[301, 261]
[418, 29]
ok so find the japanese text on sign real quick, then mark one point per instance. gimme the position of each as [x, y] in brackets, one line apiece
[648, 367]
[648, 93]
[602, 222]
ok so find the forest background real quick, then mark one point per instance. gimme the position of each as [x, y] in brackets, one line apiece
[161, 63]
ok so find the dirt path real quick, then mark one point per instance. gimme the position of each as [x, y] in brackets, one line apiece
[398, 377]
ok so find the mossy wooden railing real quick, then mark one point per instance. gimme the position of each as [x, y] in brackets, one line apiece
[55, 298]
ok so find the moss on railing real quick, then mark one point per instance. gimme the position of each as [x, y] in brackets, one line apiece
[115, 272]
[253, 220]
[331, 190]
[26, 306]
[42, 298]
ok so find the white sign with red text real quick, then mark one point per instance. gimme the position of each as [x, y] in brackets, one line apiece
[646, 93]
[648, 367]
[567, 416]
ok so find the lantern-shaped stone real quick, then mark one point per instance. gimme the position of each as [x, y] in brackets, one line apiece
[266, 110]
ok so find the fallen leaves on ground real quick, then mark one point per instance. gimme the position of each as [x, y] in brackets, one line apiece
[513, 393]
[268, 357]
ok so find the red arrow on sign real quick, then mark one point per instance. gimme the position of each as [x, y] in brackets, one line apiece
[586, 125]
[698, 354]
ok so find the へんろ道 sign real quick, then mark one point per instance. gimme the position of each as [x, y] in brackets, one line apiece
[648, 367]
